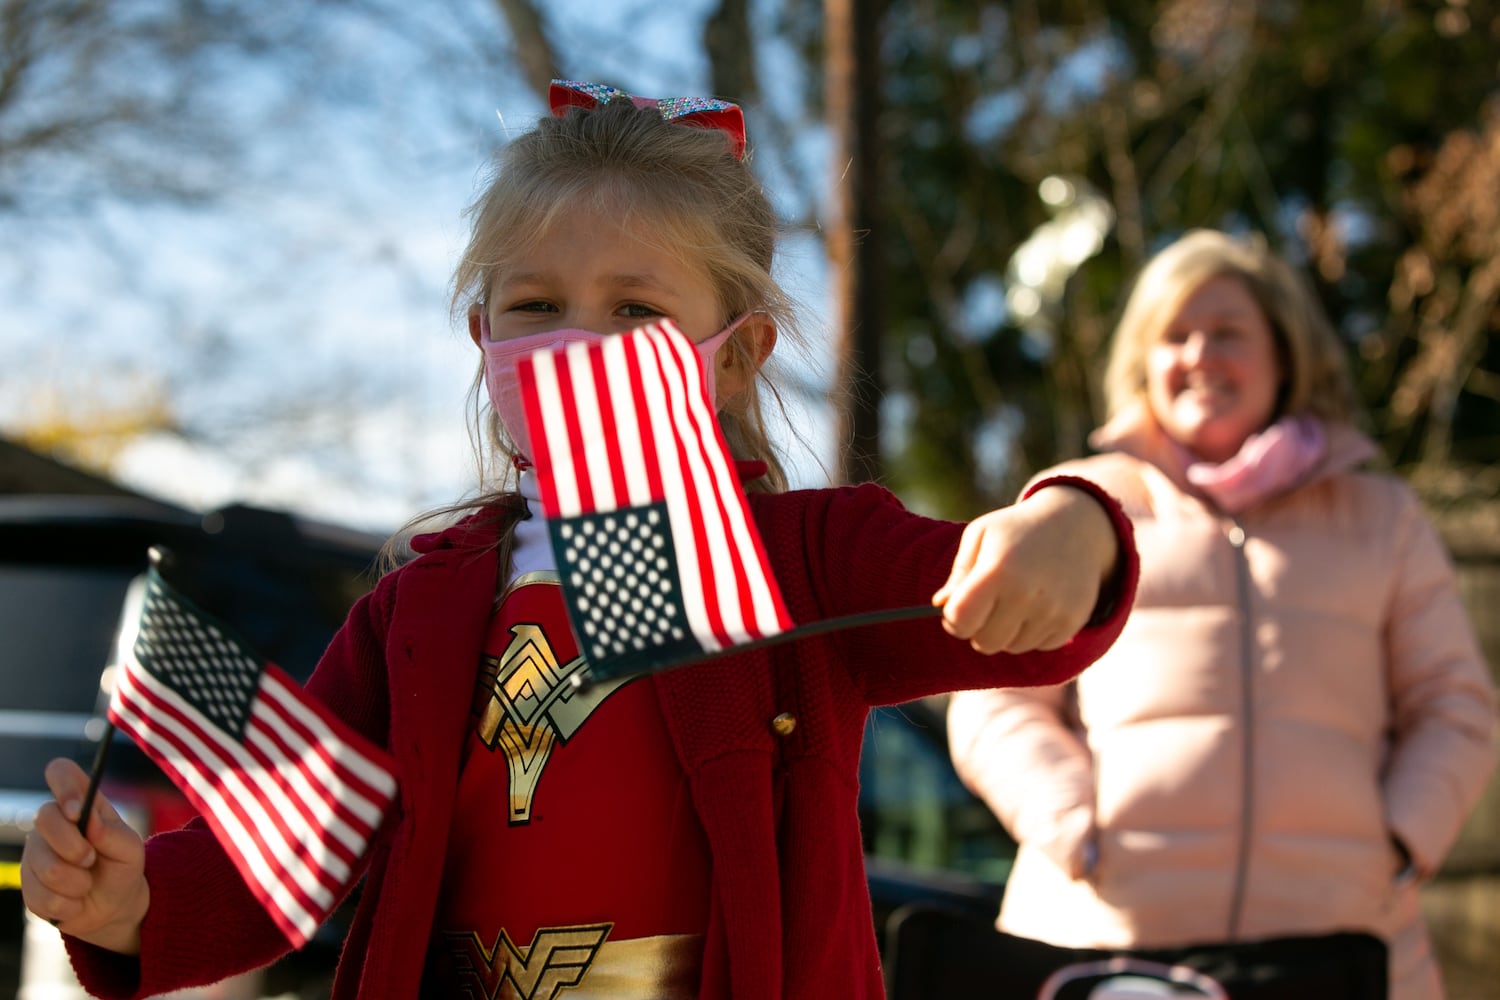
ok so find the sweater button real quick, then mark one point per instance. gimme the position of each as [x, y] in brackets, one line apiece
[784, 723]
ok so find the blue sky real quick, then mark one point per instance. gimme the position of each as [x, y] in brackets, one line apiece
[300, 325]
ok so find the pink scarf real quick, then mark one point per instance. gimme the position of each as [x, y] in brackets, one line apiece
[1266, 464]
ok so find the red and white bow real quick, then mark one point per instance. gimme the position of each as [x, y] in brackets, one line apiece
[704, 112]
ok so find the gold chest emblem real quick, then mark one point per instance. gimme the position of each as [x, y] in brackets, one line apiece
[527, 700]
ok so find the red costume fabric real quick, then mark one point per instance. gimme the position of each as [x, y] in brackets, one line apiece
[790, 910]
[597, 841]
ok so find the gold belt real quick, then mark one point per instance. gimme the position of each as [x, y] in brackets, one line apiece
[574, 963]
[664, 967]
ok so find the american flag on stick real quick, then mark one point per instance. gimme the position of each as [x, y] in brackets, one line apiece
[291, 792]
[659, 559]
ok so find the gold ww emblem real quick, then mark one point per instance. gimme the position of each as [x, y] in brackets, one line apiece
[558, 959]
[527, 701]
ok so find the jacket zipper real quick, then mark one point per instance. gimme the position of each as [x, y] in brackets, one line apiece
[1236, 535]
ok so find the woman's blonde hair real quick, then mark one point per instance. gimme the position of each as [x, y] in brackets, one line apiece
[680, 187]
[1315, 362]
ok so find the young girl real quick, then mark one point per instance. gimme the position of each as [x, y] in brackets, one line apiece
[686, 834]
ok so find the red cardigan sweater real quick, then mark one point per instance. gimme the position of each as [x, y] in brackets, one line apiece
[791, 910]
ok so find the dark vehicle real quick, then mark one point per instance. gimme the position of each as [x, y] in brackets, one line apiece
[65, 561]
[936, 858]
[286, 583]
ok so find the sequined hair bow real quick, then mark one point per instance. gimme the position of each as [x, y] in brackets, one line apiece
[704, 112]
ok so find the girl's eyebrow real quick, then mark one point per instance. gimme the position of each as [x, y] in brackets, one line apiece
[624, 279]
[513, 278]
[631, 279]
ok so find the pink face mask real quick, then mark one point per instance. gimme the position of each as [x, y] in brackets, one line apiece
[500, 357]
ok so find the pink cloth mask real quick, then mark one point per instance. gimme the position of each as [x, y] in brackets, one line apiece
[500, 378]
[1266, 464]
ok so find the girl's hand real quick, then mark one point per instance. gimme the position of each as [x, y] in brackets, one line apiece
[1028, 576]
[93, 888]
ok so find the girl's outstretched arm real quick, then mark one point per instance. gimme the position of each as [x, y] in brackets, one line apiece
[93, 888]
[1028, 576]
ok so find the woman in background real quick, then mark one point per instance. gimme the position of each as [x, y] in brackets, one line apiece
[1297, 718]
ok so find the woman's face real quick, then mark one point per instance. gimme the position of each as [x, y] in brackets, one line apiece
[1213, 374]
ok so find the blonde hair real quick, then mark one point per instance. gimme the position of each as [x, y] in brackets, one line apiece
[678, 185]
[1317, 379]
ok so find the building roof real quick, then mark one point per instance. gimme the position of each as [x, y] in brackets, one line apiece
[25, 471]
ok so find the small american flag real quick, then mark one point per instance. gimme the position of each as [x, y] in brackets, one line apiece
[659, 560]
[292, 794]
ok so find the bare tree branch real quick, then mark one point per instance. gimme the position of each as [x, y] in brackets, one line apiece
[532, 48]
[729, 45]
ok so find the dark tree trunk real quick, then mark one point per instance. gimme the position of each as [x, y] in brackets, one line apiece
[854, 230]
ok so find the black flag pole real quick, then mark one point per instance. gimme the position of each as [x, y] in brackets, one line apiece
[101, 752]
[585, 679]
[130, 622]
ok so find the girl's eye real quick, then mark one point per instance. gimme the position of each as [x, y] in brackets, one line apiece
[533, 305]
[638, 310]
